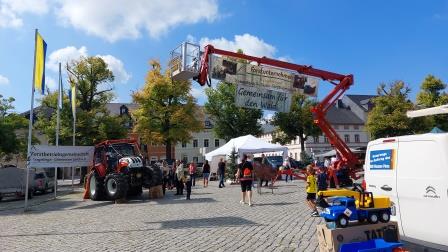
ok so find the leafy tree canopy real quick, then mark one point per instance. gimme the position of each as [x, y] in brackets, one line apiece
[167, 112]
[296, 123]
[388, 117]
[432, 94]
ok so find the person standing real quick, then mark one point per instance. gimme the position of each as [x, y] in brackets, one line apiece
[245, 175]
[264, 161]
[311, 190]
[322, 184]
[221, 172]
[206, 173]
[188, 186]
[165, 170]
[180, 178]
[192, 172]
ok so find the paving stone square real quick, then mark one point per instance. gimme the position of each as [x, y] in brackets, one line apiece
[213, 220]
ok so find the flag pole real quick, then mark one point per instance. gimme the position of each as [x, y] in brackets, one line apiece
[74, 133]
[30, 126]
[57, 129]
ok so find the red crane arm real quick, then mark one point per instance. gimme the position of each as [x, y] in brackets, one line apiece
[341, 82]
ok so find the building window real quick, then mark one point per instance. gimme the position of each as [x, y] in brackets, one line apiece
[195, 159]
[336, 126]
[316, 139]
[346, 126]
[195, 143]
[184, 145]
[205, 142]
[216, 142]
[325, 139]
[295, 156]
[185, 158]
[347, 138]
[356, 138]
[355, 127]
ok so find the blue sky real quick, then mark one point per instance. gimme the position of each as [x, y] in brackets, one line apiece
[376, 41]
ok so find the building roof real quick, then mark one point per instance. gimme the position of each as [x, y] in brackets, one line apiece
[342, 116]
[363, 101]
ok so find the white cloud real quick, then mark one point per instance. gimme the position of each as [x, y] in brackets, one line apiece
[3, 80]
[65, 55]
[121, 19]
[11, 11]
[51, 83]
[71, 53]
[251, 45]
[117, 67]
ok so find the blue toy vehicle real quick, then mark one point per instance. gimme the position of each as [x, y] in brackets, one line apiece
[346, 209]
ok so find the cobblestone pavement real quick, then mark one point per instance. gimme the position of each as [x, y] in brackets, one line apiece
[212, 221]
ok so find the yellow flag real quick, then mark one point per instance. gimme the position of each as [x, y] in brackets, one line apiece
[39, 64]
[72, 94]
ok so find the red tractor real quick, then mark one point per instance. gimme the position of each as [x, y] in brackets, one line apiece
[119, 170]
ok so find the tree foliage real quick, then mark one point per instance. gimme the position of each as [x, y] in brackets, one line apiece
[12, 142]
[229, 120]
[432, 94]
[93, 121]
[167, 112]
[388, 117]
[298, 122]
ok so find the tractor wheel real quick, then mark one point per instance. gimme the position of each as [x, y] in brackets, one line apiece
[384, 217]
[342, 221]
[116, 186]
[96, 190]
[373, 218]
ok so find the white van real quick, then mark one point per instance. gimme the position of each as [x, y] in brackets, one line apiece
[413, 172]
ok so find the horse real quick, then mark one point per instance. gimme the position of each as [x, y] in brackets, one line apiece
[264, 172]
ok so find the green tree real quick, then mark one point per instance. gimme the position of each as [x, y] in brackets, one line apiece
[431, 95]
[298, 122]
[167, 112]
[388, 117]
[232, 167]
[229, 120]
[12, 141]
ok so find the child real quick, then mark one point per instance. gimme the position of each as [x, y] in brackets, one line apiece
[188, 183]
[311, 190]
[322, 184]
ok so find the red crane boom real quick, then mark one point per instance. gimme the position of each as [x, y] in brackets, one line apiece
[341, 82]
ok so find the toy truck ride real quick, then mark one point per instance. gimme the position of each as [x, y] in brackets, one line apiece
[355, 205]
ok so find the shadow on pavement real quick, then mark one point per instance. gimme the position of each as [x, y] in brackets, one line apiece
[181, 200]
[104, 203]
[226, 221]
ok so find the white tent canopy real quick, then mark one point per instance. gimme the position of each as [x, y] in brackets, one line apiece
[246, 145]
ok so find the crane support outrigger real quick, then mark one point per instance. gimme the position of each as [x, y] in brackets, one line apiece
[340, 81]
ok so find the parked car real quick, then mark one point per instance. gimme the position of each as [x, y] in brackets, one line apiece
[43, 183]
[276, 160]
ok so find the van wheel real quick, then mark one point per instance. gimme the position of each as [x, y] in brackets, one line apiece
[373, 218]
[384, 217]
[342, 221]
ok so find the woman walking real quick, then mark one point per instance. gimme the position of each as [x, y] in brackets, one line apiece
[206, 173]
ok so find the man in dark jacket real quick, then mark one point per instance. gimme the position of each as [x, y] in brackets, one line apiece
[221, 172]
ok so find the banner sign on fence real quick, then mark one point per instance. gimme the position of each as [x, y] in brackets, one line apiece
[43, 156]
[262, 76]
[261, 98]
